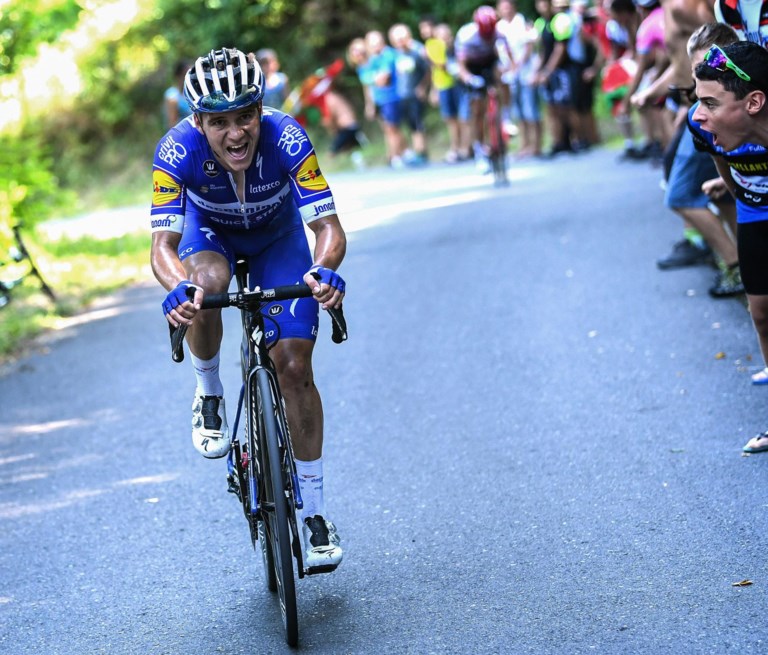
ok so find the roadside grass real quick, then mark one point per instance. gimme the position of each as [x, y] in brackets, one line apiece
[79, 271]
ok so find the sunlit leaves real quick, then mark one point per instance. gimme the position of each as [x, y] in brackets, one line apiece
[24, 24]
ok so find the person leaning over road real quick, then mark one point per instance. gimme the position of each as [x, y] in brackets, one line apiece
[690, 170]
[730, 121]
[236, 182]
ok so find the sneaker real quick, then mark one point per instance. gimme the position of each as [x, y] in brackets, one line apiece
[483, 166]
[451, 157]
[321, 544]
[727, 283]
[761, 377]
[757, 444]
[633, 153]
[684, 253]
[210, 434]
[415, 159]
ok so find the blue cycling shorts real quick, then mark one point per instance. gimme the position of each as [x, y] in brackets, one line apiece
[276, 256]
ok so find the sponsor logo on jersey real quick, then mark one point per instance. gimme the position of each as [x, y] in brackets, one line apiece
[292, 139]
[171, 152]
[210, 168]
[261, 188]
[165, 189]
[275, 310]
[324, 208]
[309, 175]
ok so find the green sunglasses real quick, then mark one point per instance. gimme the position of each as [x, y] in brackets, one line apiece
[718, 60]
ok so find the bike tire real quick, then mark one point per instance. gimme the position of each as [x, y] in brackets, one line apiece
[497, 144]
[499, 155]
[275, 507]
[267, 556]
[256, 523]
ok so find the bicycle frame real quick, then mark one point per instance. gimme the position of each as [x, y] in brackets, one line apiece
[261, 465]
[497, 140]
[254, 356]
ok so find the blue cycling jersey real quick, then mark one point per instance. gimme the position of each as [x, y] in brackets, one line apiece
[749, 169]
[283, 182]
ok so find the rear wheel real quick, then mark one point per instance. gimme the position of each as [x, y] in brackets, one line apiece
[275, 509]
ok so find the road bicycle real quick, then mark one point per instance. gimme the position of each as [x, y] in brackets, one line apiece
[497, 138]
[18, 253]
[261, 471]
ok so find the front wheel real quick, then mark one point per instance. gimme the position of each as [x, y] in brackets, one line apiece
[275, 508]
[497, 143]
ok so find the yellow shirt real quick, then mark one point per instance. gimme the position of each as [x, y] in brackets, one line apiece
[437, 55]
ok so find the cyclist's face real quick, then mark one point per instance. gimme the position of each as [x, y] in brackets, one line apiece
[232, 135]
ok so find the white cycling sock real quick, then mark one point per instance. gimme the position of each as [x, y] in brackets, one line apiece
[311, 486]
[207, 374]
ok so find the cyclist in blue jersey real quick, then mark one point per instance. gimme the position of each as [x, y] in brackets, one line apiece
[238, 179]
[730, 121]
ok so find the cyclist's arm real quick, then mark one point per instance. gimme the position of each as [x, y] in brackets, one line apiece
[330, 248]
[169, 271]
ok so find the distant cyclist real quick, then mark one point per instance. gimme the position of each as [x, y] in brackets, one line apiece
[481, 52]
[237, 179]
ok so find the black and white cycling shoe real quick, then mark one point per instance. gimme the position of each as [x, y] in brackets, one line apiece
[322, 552]
[210, 434]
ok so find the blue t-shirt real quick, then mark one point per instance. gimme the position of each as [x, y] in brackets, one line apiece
[174, 95]
[749, 169]
[384, 62]
[410, 67]
[283, 184]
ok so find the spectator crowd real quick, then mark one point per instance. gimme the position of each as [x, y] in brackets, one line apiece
[639, 56]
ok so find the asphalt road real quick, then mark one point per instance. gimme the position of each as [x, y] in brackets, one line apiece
[533, 446]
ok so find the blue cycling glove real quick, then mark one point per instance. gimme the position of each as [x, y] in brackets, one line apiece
[179, 295]
[328, 276]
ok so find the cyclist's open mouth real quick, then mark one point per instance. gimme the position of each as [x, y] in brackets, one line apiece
[238, 152]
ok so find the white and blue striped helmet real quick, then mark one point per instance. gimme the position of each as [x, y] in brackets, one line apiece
[223, 80]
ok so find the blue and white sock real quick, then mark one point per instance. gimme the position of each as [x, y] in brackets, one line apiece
[310, 476]
[207, 374]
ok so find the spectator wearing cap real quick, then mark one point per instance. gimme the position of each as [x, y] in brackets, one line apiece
[730, 121]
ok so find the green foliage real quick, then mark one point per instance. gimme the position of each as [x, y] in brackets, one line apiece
[24, 24]
[28, 188]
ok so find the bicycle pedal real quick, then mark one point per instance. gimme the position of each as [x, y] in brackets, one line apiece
[325, 568]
